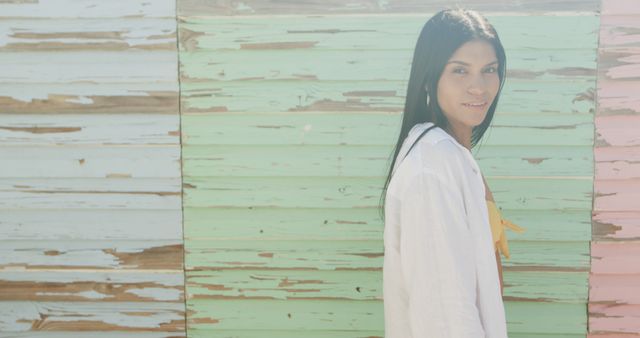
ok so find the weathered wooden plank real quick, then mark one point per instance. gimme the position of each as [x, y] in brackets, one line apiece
[620, 31]
[619, 7]
[96, 334]
[310, 160]
[617, 130]
[90, 193]
[519, 96]
[204, 333]
[86, 9]
[618, 97]
[364, 285]
[614, 318]
[106, 34]
[362, 224]
[88, 224]
[91, 316]
[369, 128]
[362, 255]
[373, 65]
[614, 288]
[358, 192]
[619, 63]
[65, 285]
[130, 66]
[616, 195]
[615, 226]
[84, 128]
[617, 162]
[196, 8]
[366, 32]
[313, 315]
[615, 257]
[92, 254]
[90, 162]
[89, 98]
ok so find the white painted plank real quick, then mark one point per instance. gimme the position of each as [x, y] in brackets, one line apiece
[88, 34]
[87, 8]
[59, 224]
[92, 254]
[93, 334]
[90, 193]
[80, 93]
[75, 285]
[45, 130]
[90, 162]
[123, 67]
[21, 316]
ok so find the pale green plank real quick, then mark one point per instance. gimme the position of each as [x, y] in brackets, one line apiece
[553, 319]
[381, 32]
[350, 255]
[365, 285]
[376, 65]
[359, 224]
[216, 333]
[358, 192]
[518, 96]
[310, 160]
[314, 315]
[368, 128]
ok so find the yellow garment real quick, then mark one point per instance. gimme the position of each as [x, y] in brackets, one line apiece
[498, 225]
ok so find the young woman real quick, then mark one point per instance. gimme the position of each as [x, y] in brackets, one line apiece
[442, 230]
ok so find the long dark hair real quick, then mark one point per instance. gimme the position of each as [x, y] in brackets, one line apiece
[440, 37]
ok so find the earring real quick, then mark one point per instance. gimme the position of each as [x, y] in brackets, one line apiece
[428, 99]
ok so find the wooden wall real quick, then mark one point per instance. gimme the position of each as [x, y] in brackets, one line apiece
[289, 112]
[90, 197]
[614, 302]
[283, 115]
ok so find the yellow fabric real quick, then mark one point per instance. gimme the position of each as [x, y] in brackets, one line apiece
[498, 224]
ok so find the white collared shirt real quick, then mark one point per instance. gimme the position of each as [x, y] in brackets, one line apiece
[440, 276]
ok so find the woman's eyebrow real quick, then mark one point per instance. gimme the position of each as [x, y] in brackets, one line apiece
[466, 64]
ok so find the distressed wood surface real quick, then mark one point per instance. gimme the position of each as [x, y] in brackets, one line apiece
[270, 7]
[357, 224]
[614, 306]
[287, 126]
[90, 190]
[372, 128]
[86, 9]
[86, 129]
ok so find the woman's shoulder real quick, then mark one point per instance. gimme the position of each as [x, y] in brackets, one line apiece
[435, 154]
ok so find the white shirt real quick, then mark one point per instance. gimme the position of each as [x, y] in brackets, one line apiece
[440, 277]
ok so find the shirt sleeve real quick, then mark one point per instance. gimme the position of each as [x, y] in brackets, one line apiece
[437, 258]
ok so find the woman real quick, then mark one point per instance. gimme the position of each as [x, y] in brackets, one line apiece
[440, 272]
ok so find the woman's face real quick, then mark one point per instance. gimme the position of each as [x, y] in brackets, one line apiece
[468, 84]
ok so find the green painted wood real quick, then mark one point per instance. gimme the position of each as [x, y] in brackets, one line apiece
[360, 192]
[547, 286]
[287, 127]
[358, 224]
[331, 161]
[314, 315]
[396, 32]
[373, 65]
[359, 255]
[370, 128]
[518, 96]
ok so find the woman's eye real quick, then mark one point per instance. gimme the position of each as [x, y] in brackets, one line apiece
[459, 70]
[491, 70]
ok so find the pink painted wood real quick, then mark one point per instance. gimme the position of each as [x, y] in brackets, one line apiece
[614, 281]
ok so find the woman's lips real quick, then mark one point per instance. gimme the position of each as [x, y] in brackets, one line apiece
[475, 105]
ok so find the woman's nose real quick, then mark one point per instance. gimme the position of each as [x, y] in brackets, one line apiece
[477, 85]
